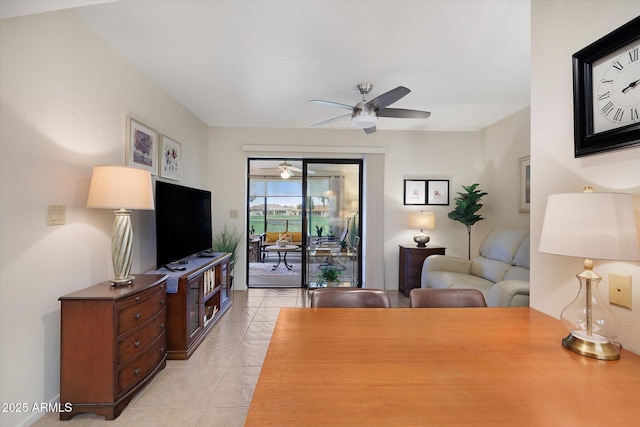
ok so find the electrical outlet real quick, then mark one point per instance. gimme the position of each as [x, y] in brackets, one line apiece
[620, 290]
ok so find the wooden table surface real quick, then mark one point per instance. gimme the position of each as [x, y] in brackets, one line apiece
[410, 367]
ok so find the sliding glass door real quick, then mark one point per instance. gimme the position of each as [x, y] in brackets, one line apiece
[303, 223]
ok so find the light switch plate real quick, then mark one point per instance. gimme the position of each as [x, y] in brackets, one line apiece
[55, 215]
[620, 290]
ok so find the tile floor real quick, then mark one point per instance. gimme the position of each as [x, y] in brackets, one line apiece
[214, 387]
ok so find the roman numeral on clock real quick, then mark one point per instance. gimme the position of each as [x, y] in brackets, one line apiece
[617, 65]
[604, 96]
[607, 108]
[634, 114]
[618, 115]
[633, 55]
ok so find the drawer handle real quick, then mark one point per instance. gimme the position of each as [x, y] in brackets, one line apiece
[137, 316]
[137, 299]
[161, 349]
[161, 325]
[136, 344]
[161, 302]
[136, 371]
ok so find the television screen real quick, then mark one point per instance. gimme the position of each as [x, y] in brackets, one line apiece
[183, 222]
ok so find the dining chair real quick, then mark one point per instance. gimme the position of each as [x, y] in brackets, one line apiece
[439, 298]
[349, 298]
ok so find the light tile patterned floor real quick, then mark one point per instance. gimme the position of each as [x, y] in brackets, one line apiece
[214, 387]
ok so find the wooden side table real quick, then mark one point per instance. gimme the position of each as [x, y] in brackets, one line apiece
[411, 259]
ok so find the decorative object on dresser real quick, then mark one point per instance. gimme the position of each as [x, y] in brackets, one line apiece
[112, 343]
[606, 92]
[591, 226]
[421, 220]
[410, 268]
[196, 299]
[121, 188]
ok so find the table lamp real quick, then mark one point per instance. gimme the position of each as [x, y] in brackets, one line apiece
[591, 226]
[422, 220]
[122, 189]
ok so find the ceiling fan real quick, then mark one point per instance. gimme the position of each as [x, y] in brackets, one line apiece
[286, 170]
[365, 114]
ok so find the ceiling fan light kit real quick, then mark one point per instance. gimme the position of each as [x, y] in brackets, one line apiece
[365, 114]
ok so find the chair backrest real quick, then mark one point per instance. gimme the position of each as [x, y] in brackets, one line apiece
[438, 298]
[349, 298]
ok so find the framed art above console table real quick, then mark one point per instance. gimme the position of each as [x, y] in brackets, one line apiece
[606, 92]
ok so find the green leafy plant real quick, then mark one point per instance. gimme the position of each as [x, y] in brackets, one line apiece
[227, 241]
[329, 274]
[319, 230]
[467, 206]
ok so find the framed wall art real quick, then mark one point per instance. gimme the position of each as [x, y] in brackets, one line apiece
[606, 92]
[438, 192]
[525, 183]
[170, 158]
[142, 141]
[415, 192]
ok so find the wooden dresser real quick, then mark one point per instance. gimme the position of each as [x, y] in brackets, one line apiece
[112, 342]
[410, 268]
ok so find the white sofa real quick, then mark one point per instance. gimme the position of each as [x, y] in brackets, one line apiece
[500, 272]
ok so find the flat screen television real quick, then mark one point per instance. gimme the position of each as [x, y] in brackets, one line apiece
[183, 222]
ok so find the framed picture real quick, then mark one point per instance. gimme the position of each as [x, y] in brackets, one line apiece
[170, 158]
[142, 141]
[415, 192]
[438, 192]
[606, 92]
[525, 183]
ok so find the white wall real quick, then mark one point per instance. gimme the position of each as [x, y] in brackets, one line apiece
[65, 95]
[559, 29]
[489, 157]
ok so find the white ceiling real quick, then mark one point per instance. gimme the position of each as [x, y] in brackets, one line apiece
[253, 63]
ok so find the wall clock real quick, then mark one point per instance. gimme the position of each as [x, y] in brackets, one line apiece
[606, 92]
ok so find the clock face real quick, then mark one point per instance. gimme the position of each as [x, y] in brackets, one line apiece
[616, 89]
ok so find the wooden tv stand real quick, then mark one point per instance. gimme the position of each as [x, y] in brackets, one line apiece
[202, 297]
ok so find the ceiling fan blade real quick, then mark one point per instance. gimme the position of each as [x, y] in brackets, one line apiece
[332, 104]
[335, 119]
[387, 98]
[400, 113]
[369, 130]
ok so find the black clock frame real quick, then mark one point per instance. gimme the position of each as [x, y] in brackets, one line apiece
[586, 142]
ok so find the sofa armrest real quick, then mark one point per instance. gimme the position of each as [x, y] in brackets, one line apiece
[509, 293]
[446, 263]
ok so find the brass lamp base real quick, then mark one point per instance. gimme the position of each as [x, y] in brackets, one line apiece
[421, 239]
[595, 350]
[122, 282]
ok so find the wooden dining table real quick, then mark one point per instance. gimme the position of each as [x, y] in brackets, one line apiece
[436, 367]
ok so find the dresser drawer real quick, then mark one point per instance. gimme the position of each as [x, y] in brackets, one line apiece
[136, 311]
[138, 368]
[132, 344]
[416, 259]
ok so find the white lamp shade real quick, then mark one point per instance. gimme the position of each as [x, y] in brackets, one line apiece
[119, 187]
[591, 225]
[422, 220]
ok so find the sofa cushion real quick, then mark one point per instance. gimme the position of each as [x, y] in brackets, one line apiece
[517, 273]
[482, 287]
[272, 236]
[444, 279]
[490, 269]
[502, 245]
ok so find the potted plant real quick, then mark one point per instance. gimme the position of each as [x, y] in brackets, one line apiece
[467, 206]
[227, 241]
[329, 274]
